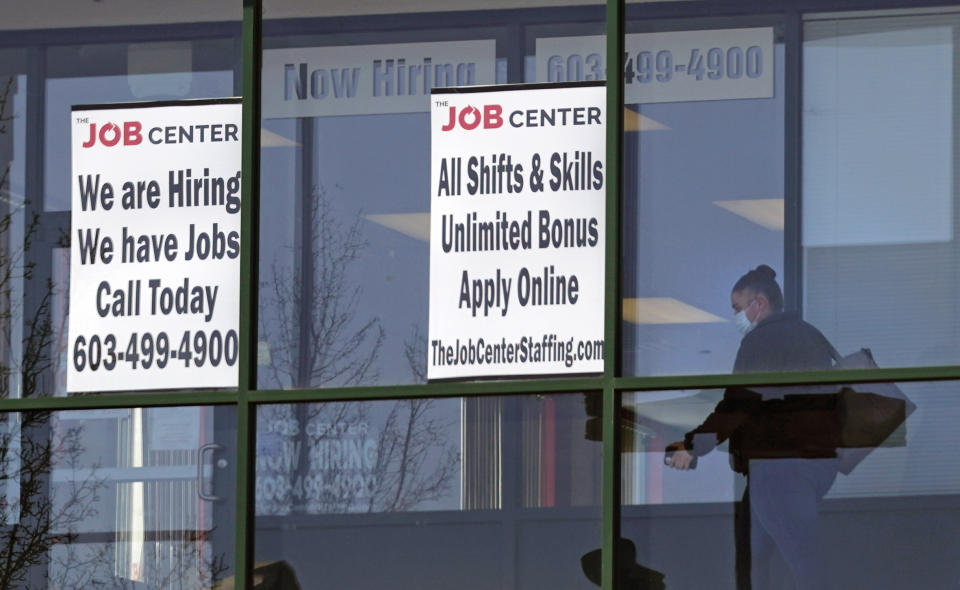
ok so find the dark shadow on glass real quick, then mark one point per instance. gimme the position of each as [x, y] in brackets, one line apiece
[632, 575]
[273, 575]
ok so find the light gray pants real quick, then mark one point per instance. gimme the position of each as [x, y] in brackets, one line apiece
[784, 498]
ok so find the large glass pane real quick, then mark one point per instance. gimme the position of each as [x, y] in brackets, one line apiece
[346, 165]
[13, 224]
[125, 498]
[880, 195]
[49, 52]
[842, 492]
[54, 55]
[493, 492]
[703, 186]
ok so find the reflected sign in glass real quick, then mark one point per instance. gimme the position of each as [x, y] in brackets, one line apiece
[670, 67]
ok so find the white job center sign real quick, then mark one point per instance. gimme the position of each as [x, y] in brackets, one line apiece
[155, 246]
[517, 204]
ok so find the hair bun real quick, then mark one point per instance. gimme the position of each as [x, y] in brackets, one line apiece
[762, 280]
[765, 272]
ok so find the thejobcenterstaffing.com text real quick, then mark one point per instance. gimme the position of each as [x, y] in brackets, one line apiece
[548, 348]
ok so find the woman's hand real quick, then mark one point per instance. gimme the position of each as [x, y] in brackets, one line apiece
[678, 457]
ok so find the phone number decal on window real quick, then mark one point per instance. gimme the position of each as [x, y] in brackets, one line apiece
[647, 66]
[670, 67]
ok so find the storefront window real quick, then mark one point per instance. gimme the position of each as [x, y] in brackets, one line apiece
[874, 217]
[134, 56]
[117, 498]
[703, 186]
[463, 492]
[879, 197]
[13, 134]
[811, 490]
[345, 206]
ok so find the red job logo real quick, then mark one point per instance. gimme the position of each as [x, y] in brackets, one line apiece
[470, 117]
[111, 134]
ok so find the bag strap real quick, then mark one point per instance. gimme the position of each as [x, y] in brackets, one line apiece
[834, 353]
[837, 357]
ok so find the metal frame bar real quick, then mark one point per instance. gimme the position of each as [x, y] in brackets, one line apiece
[247, 397]
[792, 171]
[252, 43]
[610, 423]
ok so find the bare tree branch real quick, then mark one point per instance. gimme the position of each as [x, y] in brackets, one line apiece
[408, 461]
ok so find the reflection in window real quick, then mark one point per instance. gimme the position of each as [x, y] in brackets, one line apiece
[34, 219]
[116, 498]
[15, 234]
[422, 455]
[351, 457]
[345, 177]
[467, 493]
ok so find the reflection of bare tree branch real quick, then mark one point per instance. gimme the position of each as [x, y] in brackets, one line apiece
[91, 566]
[339, 348]
[35, 355]
[415, 350]
[329, 422]
[15, 268]
[415, 463]
[4, 101]
[5, 117]
[317, 338]
[42, 515]
[6, 97]
[36, 515]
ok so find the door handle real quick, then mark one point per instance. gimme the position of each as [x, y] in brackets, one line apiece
[201, 488]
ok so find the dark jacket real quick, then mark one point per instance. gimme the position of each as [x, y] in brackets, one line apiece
[772, 422]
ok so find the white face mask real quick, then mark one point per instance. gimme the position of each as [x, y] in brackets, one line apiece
[742, 322]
